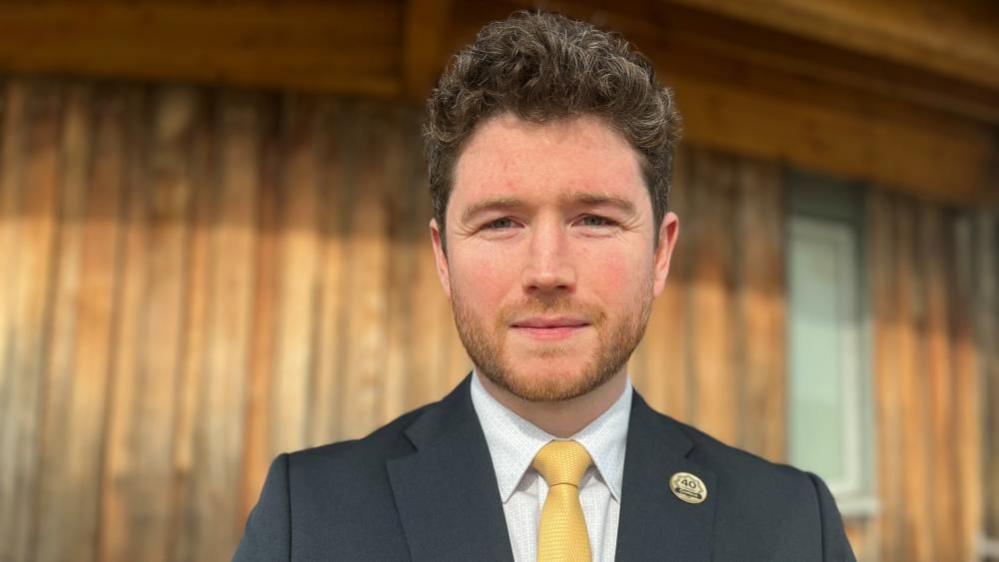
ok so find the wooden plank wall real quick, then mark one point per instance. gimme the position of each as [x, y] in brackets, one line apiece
[193, 280]
[928, 280]
[986, 235]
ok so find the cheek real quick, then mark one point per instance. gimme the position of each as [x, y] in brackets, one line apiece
[484, 276]
[617, 276]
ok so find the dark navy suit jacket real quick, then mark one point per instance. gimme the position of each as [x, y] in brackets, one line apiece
[423, 488]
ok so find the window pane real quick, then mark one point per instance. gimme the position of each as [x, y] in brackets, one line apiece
[823, 332]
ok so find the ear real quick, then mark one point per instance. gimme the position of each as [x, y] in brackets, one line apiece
[669, 230]
[440, 258]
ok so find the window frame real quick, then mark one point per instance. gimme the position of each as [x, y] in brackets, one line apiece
[822, 206]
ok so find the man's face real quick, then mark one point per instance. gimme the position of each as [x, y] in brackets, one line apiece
[551, 265]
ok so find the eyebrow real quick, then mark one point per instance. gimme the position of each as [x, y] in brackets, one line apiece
[596, 199]
[586, 199]
[493, 203]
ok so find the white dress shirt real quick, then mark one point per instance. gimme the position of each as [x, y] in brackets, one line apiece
[513, 442]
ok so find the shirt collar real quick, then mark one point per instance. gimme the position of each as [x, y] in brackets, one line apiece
[513, 441]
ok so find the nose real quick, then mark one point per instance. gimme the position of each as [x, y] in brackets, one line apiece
[549, 268]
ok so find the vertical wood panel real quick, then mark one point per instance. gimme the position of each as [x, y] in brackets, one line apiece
[759, 235]
[80, 350]
[933, 242]
[400, 268]
[14, 94]
[198, 267]
[367, 256]
[28, 305]
[263, 415]
[882, 269]
[62, 412]
[918, 545]
[984, 508]
[152, 145]
[298, 267]
[976, 245]
[125, 502]
[431, 313]
[212, 523]
[715, 395]
[333, 140]
[662, 359]
[926, 362]
[174, 116]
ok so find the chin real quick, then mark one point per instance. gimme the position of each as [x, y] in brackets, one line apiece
[550, 380]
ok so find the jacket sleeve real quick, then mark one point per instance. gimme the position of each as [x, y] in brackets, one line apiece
[267, 536]
[835, 546]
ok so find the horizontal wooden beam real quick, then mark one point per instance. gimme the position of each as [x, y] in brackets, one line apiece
[425, 28]
[758, 89]
[349, 47]
[843, 129]
[957, 38]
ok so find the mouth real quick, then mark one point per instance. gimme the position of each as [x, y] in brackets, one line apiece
[549, 328]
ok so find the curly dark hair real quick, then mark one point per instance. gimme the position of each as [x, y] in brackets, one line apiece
[541, 67]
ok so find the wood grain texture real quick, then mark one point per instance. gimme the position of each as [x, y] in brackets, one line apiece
[334, 139]
[716, 385]
[367, 255]
[916, 484]
[28, 304]
[297, 236]
[80, 349]
[195, 280]
[343, 46]
[936, 360]
[11, 159]
[663, 352]
[882, 271]
[985, 230]
[886, 28]
[138, 471]
[840, 86]
[928, 393]
[976, 246]
[212, 524]
[760, 309]
[424, 30]
[203, 178]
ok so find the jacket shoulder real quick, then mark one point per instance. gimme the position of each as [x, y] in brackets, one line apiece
[386, 442]
[761, 499]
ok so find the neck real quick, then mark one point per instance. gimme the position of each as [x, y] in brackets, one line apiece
[564, 418]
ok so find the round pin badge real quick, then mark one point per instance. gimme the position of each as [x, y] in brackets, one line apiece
[688, 487]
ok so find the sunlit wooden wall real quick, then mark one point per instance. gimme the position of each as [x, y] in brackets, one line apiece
[930, 307]
[193, 280]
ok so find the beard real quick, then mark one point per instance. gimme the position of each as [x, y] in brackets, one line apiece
[486, 346]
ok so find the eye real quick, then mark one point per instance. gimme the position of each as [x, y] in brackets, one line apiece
[596, 220]
[498, 224]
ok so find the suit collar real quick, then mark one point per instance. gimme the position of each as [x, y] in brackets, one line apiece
[446, 491]
[513, 441]
[450, 506]
[654, 523]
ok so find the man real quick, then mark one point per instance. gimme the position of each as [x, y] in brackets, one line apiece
[550, 145]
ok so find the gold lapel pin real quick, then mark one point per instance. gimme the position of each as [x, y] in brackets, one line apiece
[688, 487]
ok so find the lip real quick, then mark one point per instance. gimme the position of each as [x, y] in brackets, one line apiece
[556, 328]
[552, 322]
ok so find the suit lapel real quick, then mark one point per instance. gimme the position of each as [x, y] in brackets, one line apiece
[655, 524]
[446, 491]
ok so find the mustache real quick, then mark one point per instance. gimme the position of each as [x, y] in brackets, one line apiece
[551, 306]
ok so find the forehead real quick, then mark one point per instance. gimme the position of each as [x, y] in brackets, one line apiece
[537, 162]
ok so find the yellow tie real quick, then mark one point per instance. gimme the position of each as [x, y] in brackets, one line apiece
[562, 533]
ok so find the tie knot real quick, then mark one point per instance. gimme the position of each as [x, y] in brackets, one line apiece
[562, 462]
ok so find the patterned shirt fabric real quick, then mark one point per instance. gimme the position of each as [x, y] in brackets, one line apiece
[513, 443]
